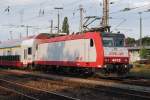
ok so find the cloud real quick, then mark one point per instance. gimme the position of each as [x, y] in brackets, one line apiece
[137, 4]
[92, 7]
[16, 2]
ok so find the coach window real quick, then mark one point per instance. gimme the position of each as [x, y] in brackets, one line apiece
[4, 53]
[91, 43]
[8, 52]
[29, 51]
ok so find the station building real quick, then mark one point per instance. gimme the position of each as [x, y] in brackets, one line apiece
[135, 53]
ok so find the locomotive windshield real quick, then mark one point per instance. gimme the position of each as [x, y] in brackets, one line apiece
[119, 42]
[108, 42]
[113, 40]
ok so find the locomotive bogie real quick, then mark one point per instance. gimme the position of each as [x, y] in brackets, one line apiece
[119, 69]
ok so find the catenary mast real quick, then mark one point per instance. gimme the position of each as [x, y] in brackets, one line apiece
[105, 17]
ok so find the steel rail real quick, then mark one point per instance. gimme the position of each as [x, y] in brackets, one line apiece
[131, 94]
[24, 95]
[43, 92]
[129, 90]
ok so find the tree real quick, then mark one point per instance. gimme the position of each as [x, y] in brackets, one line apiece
[144, 53]
[65, 27]
[146, 41]
[130, 41]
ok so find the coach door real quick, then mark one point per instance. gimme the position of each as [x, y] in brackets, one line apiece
[27, 55]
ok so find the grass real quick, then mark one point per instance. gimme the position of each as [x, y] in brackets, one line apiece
[140, 70]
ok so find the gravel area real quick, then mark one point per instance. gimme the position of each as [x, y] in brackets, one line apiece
[76, 90]
[8, 95]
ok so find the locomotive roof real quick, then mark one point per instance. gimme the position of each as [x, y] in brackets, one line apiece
[118, 35]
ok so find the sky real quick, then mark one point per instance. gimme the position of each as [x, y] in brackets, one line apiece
[29, 13]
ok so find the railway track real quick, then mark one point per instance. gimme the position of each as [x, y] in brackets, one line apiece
[125, 80]
[9, 94]
[125, 90]
[32, 93]
[132, 95]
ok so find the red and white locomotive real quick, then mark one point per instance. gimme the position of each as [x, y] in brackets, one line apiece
[90, 50]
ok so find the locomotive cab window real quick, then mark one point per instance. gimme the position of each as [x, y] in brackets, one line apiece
[119, 42]
[108, 42]
[29, 51]
[91, 43]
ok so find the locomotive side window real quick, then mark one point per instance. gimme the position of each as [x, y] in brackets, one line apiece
[29, 51]
[91, 43]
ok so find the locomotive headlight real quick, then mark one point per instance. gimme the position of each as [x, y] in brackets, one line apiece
[106, 59]
[126, 60]
[119, 60]
[113, 60]
[99, 66]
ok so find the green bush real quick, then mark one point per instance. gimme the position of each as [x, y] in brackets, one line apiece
[144, 53]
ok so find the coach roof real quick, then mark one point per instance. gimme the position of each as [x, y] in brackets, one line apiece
[18, 42]
[10, 44]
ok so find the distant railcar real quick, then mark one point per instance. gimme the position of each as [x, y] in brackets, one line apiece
[91, 50]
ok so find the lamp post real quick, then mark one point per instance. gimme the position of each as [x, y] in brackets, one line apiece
[58, 15]
[141, 26]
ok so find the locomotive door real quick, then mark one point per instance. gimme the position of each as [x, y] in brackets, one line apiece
[87, 50]
[91, 51]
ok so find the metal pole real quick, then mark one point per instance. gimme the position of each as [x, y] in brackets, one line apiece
[20, 36]
[81, 18]
[11, 37]
[58, 15]
[58, 21]
[21, 16]
[51, 26]
[27, 30]
[107, 12]
[105, 18]
[140, 13]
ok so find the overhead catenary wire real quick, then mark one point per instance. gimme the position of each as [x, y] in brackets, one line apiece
[69, 8]
[46, 13]
[129, 9]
